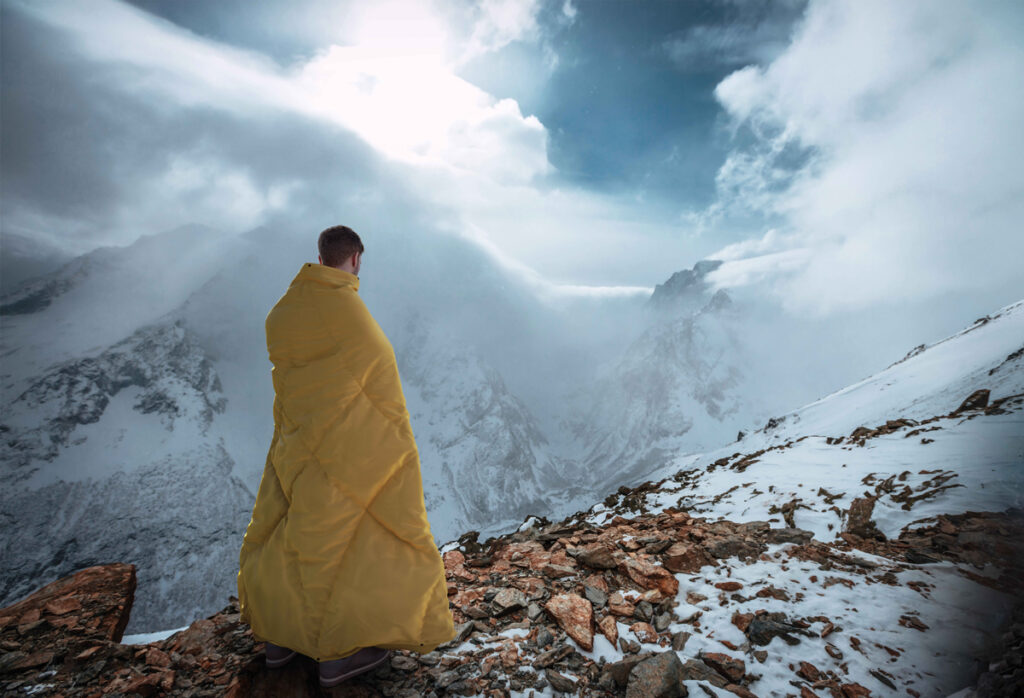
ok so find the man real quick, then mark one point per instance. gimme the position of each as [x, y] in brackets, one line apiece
[338, 562]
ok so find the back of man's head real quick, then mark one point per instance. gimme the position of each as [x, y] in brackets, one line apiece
[338, 243]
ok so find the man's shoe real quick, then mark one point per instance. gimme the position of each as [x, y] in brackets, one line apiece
[278, 656]
[335, 671]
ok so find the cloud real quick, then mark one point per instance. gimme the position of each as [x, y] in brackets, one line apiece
[743, 33]
[885, 142]
[499, 23]
[118, 124]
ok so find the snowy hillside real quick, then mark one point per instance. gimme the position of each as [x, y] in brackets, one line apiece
[897, 436]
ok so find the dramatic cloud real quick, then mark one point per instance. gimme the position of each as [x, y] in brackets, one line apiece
[117, 124]
[884, 145]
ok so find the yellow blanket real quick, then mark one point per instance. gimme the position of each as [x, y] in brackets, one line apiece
[339, 554]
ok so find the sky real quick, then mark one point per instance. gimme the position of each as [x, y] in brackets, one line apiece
[838, 155]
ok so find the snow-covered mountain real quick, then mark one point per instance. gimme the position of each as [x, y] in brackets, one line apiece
[151, 358]
[137, 398]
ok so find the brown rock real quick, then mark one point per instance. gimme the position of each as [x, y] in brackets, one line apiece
[609, 628]
[858, 519]
[685, 557]
[618, 605]
[975, 401]
[103, 594]
[66, 604]
[730, 668]
[650, 576]
[557, 571]
[644, 632]
[742, 620]
[597, 556]
[808, 671]
[618, 672]
[740, 691]
[156, 657]
[575, 616]
[659, 676]
[559, 682]
[729, 586]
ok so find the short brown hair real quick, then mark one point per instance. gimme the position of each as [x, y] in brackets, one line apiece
[338, 243]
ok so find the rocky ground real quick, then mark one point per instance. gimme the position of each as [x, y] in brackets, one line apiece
[658, 604]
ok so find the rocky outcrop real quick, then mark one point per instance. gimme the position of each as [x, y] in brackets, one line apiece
[530, 606]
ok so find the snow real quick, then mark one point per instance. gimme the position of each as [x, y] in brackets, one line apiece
[146, 638]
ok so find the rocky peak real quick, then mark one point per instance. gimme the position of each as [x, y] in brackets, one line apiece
[683, 287]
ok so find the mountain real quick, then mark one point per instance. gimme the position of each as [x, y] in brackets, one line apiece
[869, 543]
[139, 394]
[23, 258]
[145, 367]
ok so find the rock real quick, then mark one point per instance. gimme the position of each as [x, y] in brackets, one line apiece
[808, 671]
[628, 646]
[650, 576]
[644, 632]
[763, 628]
[534, 611]
[740, 691]
[734, 546]
[617, 673]
[597, 556]
[560, 682]
[99, 597]
[404, 662]
[659, 676]
[557, 571]
[544, 637]
[595, 596]
[618, 605]
[662, 621]
[729, 586]
[788, 535]
[679, 640]
[610, 629]
[687, 558]
[644, 610]
[696, 670]
[858, 519]
[507, 600]
[546, 659]
[730, 668]
[575, 616]
[742, 620]
[975, 401]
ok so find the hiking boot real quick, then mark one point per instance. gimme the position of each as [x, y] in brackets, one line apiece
[335, 671]
[278, 656]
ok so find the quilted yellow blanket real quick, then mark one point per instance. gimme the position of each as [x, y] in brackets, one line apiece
[339, 554]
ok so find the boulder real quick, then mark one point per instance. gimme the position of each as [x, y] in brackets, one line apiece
[659, 676]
